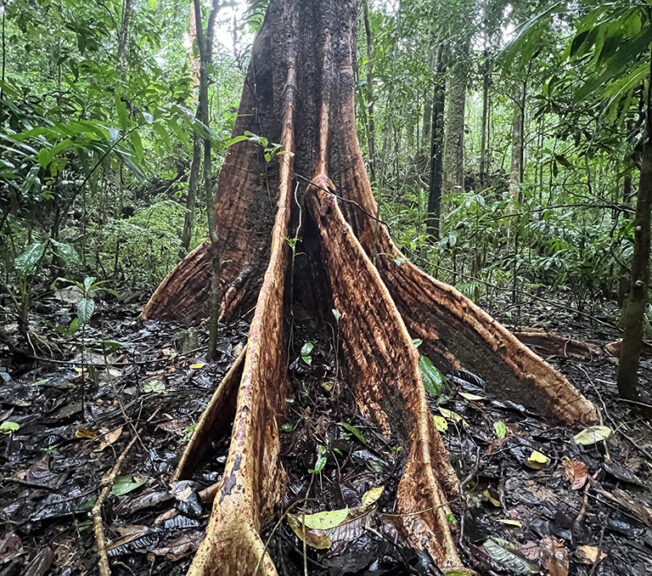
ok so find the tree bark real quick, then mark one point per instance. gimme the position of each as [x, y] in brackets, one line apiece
[369, 113]
[484, 138]
[633, 313]
[518, 124]
[436, 147]
[299, 91]
[454, 130]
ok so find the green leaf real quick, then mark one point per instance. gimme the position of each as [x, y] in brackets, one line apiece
[592, 435]
[85, 310]
[26, 262]
[336, 314]
[501, 429]
[124, 484]
[371, 496]
[67, 253]
[306, 349]
[353, 430]
[433, 381]
[8, 427]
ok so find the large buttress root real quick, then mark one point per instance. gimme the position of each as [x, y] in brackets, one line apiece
[253, 477]
[455, 331]
[244, 214]
[382, 370]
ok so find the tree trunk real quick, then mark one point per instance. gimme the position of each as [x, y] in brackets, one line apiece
[369, 114]
[486, 82]
[436, 147]
[299, 92]
[633, 313]
[454, 131]
[518, 124]
[123, 39]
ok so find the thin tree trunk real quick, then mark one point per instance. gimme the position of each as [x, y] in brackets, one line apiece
[453, 165]
[633, 313]
[123, 39]
[193, 179]
[205, 42]
[369, 113]
[436, 147]
[486, 81]
[518, 125]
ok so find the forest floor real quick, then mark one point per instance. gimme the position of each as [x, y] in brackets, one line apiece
[534, 500]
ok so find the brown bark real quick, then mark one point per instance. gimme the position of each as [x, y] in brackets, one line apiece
[633, 313]
[300, 92]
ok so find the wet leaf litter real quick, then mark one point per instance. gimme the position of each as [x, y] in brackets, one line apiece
[537, 498]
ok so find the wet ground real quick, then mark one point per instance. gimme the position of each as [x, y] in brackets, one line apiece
[535, 501]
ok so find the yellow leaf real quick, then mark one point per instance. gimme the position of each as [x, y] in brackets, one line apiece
[486, 495]
[454, 416]
[324, 520]
[509, 522]
[592, 435]
[473, 397]
[198, 365]
[371, 496]
[440, 423]
[86, 433]
[314, 538]
[537, 461]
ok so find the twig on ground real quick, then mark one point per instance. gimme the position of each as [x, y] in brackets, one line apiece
[107, 482]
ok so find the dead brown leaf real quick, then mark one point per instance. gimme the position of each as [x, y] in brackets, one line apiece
[554, 556]
[109, 438]
[576, 472]
[589, 554]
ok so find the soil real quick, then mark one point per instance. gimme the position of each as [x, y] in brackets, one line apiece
[577, 509]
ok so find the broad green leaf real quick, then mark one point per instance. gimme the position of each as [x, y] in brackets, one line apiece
[67, 253]
[433, 381]
[85, 310]
[125, 484]
[592, 435]
[26, 262]
[306, 349]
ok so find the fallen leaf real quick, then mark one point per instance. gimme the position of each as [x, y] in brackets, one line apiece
[509, 556]
[155, 386]
[440, 423]
[501, 429]
[589, 554]
[537, 461]
[124, 484]
[371, 496]
[488, 497]
[472, 397]
[554, 556]
[454, 416]
[509, 522]
[576, 472]
[198, 365]
[109, 438]
[9, 427]
[592, 435]
[10, 546]
[86, 434]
